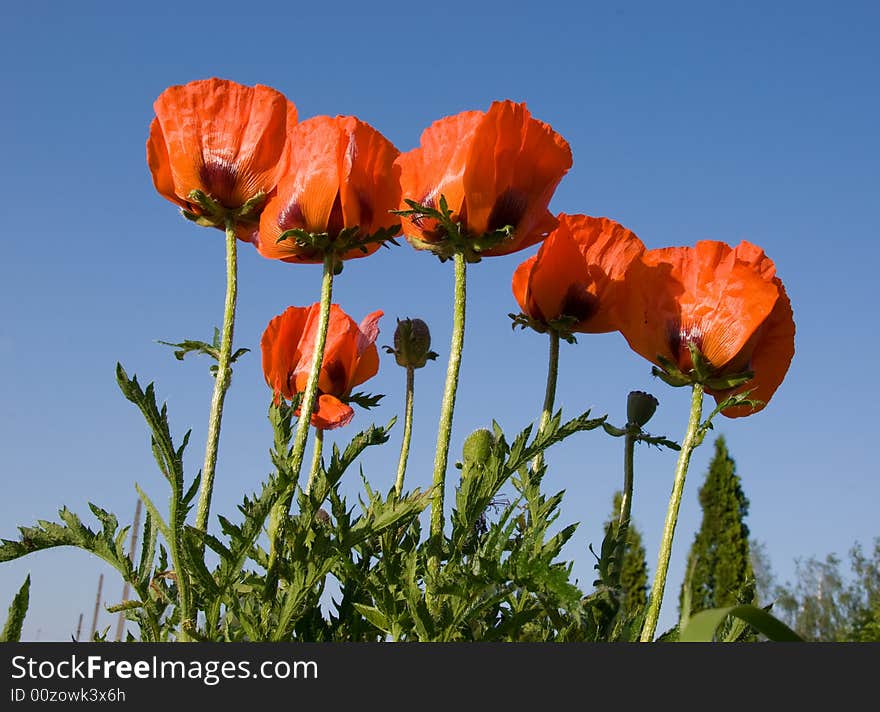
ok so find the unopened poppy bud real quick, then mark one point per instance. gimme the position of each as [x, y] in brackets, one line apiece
[640, 407]
[412, 343]
[477, 448]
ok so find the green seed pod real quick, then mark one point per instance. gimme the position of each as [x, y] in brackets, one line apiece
[640, 407]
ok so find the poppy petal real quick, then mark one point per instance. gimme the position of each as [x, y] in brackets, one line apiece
[771, 358]
[608, 249]
[160, 168]
[364, 362]
[436, 168]
[559, 276]
[331, 413]
[520, 287]
[372, 182]
[514, 166]
[280, 346]
[702, 295]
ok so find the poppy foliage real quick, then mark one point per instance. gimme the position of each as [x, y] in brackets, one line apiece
[340, 176]
[496, 169]
[219, 137]
[575, 282]
[350, 358]
[726, 302]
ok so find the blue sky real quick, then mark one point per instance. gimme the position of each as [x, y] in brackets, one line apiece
[687, 121]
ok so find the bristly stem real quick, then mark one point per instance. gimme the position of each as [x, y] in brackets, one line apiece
[407, 430]
[281, 510]
[629, 447]
[316, 458]
[550, 392]
[445, 430]
[690, 442]
[308, 401]
[221, 381]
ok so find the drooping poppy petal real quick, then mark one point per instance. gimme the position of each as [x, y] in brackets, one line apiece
[340, 174]
[331, 413]
[728, 303]
[701, 295]
[770, 358]
[350, 358]
[495, 169]
[219, 137]
[578, 274]
[773, 349]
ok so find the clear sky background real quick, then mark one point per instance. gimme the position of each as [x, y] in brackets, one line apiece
[687, 121]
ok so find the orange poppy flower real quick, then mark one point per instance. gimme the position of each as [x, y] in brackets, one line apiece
[726, 302]
[219, 137]
[575, 281]
[350, 358]
[340, 174]
[495, 169]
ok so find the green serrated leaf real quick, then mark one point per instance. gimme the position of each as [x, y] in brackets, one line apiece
[11, 632]
[374, 615]
[154, 513]
[193, 540]
[193, 489]
[124, 606]
[189, 346]
[238, 353]
[614, 431]
[162, 444]
[365, 400]
[148, 550]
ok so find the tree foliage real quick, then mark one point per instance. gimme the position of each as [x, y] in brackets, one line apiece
[719, 562]
[825, 604]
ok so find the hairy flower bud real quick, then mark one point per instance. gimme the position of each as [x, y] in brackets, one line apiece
[477, 448]
[412, 343]
[640, 407]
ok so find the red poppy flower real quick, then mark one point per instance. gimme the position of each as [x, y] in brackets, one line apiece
[495, 169]
[350, 358]
[726, 302]
[220, 137]
[576, 279]
[340, 174]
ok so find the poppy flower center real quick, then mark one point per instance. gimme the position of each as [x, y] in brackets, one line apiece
[337, 376]
[579, 303]
[431, 228]
[680, 337]
[366, 210]
[508, 209]
[336, 221]
[291, 217]
[219, 179]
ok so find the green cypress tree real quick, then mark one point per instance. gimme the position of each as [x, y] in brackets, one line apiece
[719, 563]
[634, 572]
